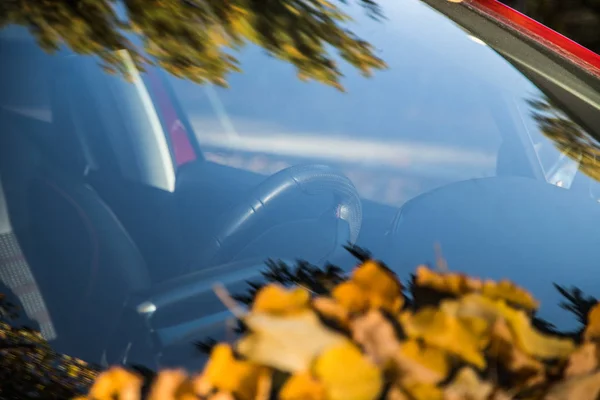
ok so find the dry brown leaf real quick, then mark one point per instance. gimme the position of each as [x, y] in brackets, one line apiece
[583, 361]
[581, 387]
[302, 386]
[376, 335]
[347, 374]
[287, 343]
[468, 386]
[592, 330]
[278, 300]
[418, 363]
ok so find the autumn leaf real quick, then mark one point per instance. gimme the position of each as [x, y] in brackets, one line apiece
[380, 285]
[424, 391]
[116, 383]
[467, 385]
[376, 335]
[525, 371]
[302, 386]
[347, 374]
[417, 362]
[288, 343]
[459, 284]
[525, 335]
[592, 330]
[351, 297]
[581, 387]
[583, 360]
[445, 331]
[277, 300]
[332, 310]
[172, 385]
[226, 373]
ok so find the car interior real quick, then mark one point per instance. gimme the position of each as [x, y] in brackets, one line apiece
[75, 226]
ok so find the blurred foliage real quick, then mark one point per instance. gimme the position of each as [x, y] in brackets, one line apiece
[29, 368]
[366, 336]
[194, 39]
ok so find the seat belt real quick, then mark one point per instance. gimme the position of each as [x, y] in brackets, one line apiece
[16, 274]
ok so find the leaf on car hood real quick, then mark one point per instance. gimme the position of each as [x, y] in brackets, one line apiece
[592, 330]
[460, 284]
[381, 286]
[347, 374]
[581, 387]
[418, 362]
[376, 335]
[276, 299]
[467, 385]
[524, 333]
[116, 383]
[224, 372]
[445, 331]
[302, 386]
[288, 343]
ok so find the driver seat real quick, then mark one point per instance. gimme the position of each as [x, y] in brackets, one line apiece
[83, 259]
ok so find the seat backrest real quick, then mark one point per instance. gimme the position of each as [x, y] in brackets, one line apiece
[83, 259]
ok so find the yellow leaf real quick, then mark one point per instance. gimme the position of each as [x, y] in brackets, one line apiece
[592, 330]
[524, 370]
[288, 343]
[467, 386]
[424, 391]
[380, 285]
[224, 372]
[420, 363]
[275, 299]
[460, 284]
[172, 385]
[302, 386]
[445, 331]
[525, 335]
[347, 374]
[329, 308]
[350, 296]
[116, 383]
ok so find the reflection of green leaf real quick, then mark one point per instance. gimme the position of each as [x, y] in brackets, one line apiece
[191, 38]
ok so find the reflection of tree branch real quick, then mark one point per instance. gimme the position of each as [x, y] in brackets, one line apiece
[300, 32]
[568, 137]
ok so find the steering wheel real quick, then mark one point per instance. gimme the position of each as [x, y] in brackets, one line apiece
[238, 226]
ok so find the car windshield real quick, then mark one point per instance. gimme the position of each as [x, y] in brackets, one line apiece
[152, 189]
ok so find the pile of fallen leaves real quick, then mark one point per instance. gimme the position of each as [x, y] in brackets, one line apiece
[364, 338]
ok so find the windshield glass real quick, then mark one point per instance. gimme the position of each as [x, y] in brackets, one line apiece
[114, 189]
